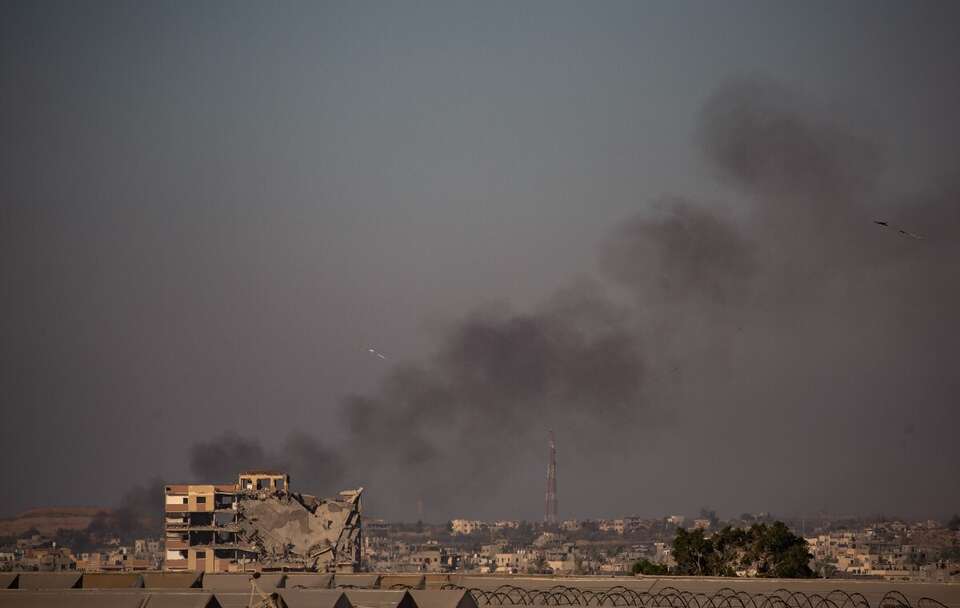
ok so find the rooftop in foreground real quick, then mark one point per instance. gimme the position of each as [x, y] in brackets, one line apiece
[641, 592]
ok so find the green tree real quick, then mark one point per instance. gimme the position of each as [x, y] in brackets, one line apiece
[692, 552]
[729, 546]
[824, 569]
[645, 566]
[775, 551]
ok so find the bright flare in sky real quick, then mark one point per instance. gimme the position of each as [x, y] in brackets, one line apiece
[377, 353]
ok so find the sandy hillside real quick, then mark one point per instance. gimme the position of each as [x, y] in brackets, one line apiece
[49, 520]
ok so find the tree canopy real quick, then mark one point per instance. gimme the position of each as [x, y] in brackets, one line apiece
[766, 550]
[645, 566]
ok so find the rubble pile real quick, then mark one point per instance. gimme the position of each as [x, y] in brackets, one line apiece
[299, 530]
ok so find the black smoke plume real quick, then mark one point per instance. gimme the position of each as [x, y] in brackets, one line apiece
[138, 515]
[313, 467]
[789, 339]
[495, 382]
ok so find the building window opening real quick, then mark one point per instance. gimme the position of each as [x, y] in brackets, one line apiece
[223, 519]
[201, 538]
[203, 518]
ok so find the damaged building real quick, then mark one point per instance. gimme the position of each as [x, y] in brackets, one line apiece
[259, 524]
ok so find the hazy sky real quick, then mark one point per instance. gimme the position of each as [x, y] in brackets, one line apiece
[210, 211]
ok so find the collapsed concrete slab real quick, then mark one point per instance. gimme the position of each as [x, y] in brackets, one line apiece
[298, 530]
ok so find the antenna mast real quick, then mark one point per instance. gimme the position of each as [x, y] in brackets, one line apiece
[550, 516]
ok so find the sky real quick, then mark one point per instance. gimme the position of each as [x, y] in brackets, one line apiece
[648, 226]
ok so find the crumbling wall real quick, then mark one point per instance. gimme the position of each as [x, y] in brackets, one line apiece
[299, 530]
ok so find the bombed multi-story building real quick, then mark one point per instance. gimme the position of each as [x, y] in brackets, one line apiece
[259, 524]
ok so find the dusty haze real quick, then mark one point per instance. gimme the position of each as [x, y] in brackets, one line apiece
[647, 227]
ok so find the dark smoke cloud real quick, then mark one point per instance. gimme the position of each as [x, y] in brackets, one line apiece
[220, 459]
[139, 514]
[859, 313]
[788, 337]
[762, 136]
[313, 467]
[681, 252]
[497, 380]
[812, 188]
[690, 271]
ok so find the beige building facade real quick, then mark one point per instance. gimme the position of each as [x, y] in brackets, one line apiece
[200, 532]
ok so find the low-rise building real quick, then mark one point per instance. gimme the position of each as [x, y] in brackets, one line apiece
[611, 525]
[466, 526]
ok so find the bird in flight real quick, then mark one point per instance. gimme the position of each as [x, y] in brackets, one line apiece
[376, 352]
[900, 230]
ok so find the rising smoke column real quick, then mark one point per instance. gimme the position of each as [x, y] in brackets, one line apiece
[460, 418]
[313, 467]
[787, 341]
